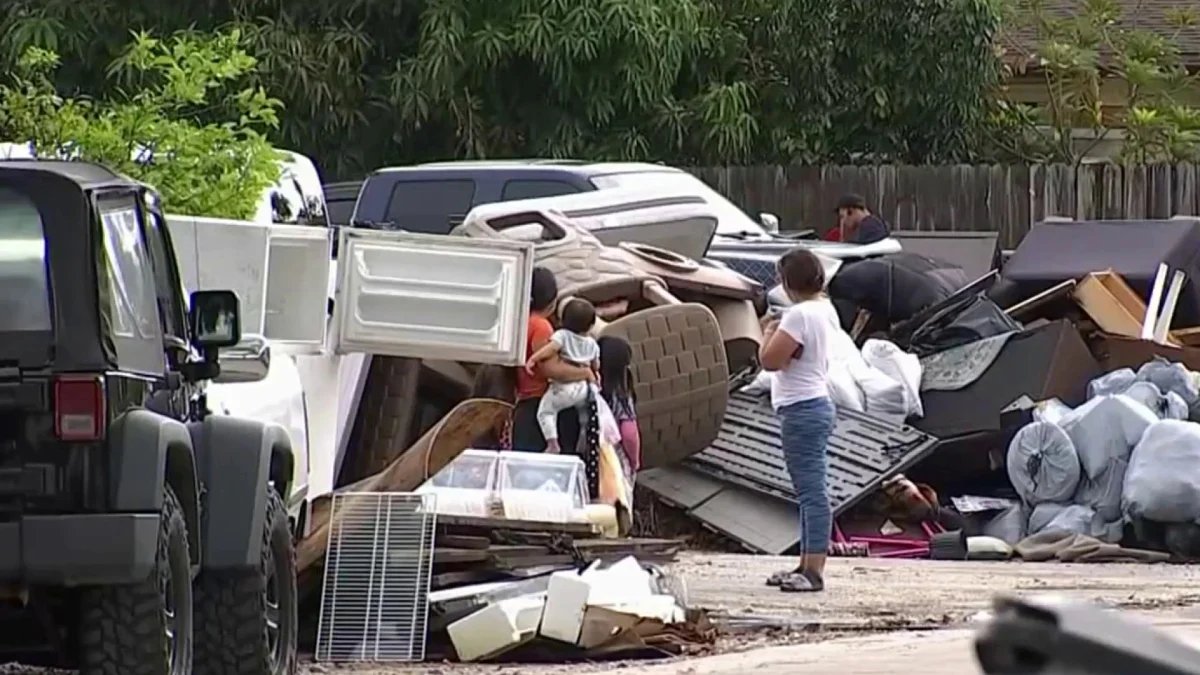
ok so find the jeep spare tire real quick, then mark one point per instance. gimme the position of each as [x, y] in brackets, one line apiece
[143, 628]
[247, 621]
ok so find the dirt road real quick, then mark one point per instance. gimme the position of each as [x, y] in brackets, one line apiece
[864, 596]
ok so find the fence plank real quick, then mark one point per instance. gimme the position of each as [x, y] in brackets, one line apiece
[1007, 199]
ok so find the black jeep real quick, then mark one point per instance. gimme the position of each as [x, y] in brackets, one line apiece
[138, 534]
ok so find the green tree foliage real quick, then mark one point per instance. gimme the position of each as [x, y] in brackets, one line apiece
[1101, 73]
[372, 82]
[148, 125]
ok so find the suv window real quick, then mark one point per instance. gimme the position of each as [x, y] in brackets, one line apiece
[167, 287]
[535, 189]
[25, 302]
[131, 294]
[430, 206]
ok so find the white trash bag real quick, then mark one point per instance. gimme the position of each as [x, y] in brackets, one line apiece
[1170, 406]
[1162, 482]
[1042, 463]
[1115, 382]
[902, 367]
[1170, 377]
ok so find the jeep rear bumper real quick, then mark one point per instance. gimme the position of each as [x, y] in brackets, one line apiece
[79, 549]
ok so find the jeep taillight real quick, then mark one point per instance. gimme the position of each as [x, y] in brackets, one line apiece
[79, 408]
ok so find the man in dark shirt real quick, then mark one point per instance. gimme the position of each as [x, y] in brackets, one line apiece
[857, 224]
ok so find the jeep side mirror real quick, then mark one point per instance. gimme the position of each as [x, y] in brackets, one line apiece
[215, 319]
[248, 361]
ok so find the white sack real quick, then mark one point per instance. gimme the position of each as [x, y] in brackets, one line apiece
[902, 367]
[1042, 463]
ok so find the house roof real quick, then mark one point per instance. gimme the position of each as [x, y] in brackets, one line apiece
[1151, 15]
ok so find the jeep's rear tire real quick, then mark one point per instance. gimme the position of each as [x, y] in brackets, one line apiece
[247, 622]
[143, 628]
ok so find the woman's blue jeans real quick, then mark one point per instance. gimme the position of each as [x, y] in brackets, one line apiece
[806, 426]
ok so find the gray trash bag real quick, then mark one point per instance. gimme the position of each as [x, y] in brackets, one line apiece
[1170, 377]
[1175, 408]
[1162, 482]
[1042, 463]
[1008, 525]
[1105, 429]
[1109, 532]
[1167, 407]
[1115, 382]
[1103, 493]
[1071, 518]
[1041, 515]
[1075, 519]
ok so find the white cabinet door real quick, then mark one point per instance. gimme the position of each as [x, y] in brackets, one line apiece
[297, 305]
[432, 297]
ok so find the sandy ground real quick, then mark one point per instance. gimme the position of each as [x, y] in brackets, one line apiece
[873, 613]
[861, 613]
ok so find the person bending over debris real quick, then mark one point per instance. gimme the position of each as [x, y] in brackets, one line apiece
[795, 348]
[574, 345]
[526, 434]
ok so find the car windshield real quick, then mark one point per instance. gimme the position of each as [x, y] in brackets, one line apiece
[25, 302]
[730, 219]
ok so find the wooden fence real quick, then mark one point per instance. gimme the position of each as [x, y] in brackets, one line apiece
[1002, 198]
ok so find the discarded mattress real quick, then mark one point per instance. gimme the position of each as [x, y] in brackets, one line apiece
[680, 379]
[862, 452]
[1054, 252]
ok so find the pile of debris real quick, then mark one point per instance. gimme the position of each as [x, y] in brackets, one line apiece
[1043, 408]
[473, 550]
[623, 610]
[465, 545]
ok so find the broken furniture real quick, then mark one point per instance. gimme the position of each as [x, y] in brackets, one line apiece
[1054, 252]
[970, 389]
[578, 613]
[1117, 309]
[740, 486]
[684, 352]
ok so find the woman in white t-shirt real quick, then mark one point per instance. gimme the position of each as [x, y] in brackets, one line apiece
[795, 347]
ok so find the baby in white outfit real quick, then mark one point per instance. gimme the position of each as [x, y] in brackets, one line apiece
[572, 344]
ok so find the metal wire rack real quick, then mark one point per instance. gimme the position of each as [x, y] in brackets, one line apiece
[375, 601]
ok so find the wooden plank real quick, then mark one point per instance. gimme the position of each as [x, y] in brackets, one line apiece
[463, 541]
[449, 556]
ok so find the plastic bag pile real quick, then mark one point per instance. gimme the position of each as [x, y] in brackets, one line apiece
[1129, 452]
[882, 380]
